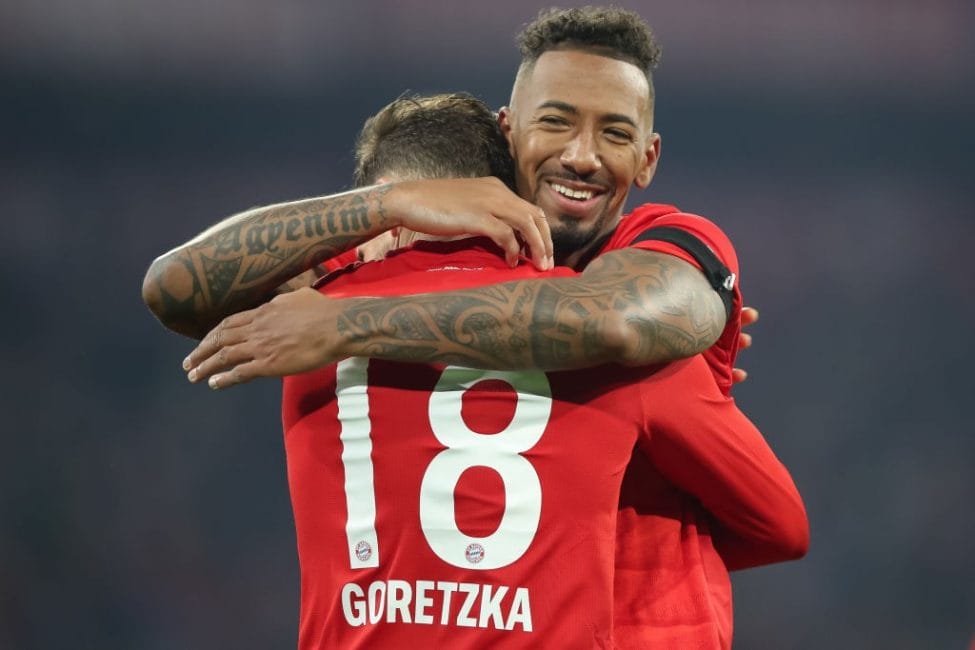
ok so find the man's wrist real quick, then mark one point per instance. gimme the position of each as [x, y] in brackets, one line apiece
[395, 199]
[349, 338]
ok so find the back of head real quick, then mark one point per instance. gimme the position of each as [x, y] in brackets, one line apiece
[439, 136]
[607, 31]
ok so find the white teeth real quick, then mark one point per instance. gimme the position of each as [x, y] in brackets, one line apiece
[581, 195]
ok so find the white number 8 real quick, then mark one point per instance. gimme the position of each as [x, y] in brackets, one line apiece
[500, 452]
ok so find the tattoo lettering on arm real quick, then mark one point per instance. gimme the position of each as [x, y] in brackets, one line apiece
[630, 306]
[242, 261]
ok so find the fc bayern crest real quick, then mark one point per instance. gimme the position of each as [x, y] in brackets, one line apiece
[474, 553]
[363, 551]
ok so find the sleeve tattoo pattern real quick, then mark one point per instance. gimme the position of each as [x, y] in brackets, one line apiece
[240, 263]
[633, 305]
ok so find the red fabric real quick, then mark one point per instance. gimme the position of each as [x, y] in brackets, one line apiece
[671, 586]
[639, 618]
[753, 525]
[341, 260]
[706, 495]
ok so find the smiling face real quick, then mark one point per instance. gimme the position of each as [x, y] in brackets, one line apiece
[580, 127]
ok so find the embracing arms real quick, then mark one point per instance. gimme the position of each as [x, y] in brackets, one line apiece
[240, 262]
[630, 306]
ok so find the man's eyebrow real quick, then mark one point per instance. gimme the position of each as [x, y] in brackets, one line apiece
[560, 106]
[619, 117]
[572, 110]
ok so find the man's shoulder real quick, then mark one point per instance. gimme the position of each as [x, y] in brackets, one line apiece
[648, 212]
[660, 215]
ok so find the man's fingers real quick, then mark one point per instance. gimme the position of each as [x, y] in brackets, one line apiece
[744, 341]
[228, 332]
[542, 221]
[502, 235]
[738, 375]
[237, 375]
[535, 233]
[749, 315]
[225, 358]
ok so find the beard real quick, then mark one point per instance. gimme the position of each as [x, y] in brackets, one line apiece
[569, 237]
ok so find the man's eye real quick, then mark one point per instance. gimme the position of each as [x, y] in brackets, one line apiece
[552, 119]
[619, 135]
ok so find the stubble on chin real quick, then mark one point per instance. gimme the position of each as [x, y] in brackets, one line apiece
[568, 237]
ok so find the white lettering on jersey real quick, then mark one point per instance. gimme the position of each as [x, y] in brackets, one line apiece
[521, 611]
[354, 610]
[377, 601]
[448, 588]
[422, 602]
[392, 602]
[463, 616]
[398, 597]
[491, 607]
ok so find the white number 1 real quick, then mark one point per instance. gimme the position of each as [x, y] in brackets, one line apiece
[360, 493]
[500, 452]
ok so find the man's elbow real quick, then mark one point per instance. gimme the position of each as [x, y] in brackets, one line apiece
[791, 539]
[798, 539]
[152, 291]
[684, 318]
[167, 290]
[657, 336]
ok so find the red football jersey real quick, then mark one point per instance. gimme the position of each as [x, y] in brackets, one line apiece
[644, 603]
[469, 508]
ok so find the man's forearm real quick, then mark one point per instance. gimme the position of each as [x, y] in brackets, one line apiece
[663, 311]
[704, 445]
[238, 263]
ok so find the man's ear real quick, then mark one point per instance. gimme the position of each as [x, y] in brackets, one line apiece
[504, 121]
[649, 164]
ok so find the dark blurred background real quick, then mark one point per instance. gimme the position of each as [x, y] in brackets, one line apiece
[832, 140]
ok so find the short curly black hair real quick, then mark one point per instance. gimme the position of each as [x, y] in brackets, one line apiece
[608, 31]
[437, 136]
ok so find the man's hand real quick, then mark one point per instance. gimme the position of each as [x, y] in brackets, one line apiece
[749, 316]
[474, 206]
[291, 334]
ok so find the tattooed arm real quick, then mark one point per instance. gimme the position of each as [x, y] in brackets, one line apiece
[630, 306]
[238, 263]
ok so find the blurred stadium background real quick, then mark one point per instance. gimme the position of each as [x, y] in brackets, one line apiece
[833, 141]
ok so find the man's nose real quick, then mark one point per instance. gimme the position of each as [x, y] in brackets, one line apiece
[581, 155]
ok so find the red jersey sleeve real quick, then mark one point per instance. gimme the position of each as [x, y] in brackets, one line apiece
[701, 442]
[721, 356]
